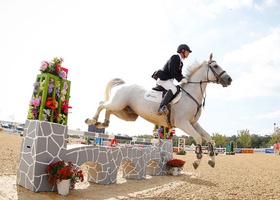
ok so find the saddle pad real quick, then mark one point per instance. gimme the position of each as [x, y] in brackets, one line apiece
[156, 96]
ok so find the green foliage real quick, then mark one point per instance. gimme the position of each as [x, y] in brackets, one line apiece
[244, 139]
[274, 138]
[181, 152]
[220, 140]
[256, 141]
[231, 146]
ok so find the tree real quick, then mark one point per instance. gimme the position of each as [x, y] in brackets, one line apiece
[275, 137]
[220, 140]
[265, 141]
[256, 141]
[190, 140]
[244, 139]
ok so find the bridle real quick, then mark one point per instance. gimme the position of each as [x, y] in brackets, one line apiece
[218, 78]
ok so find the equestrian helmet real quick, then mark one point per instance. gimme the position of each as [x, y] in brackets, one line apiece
[183, 46]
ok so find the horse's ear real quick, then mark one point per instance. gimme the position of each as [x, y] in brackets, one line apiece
[211, 56]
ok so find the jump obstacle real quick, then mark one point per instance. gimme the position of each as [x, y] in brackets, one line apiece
[45, 142]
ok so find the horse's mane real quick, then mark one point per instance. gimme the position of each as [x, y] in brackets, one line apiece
[193, 68]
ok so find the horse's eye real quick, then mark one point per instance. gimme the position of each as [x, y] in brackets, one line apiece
[215, 66]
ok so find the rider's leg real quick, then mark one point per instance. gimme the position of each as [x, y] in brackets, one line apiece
[171, 90]
[163, 110]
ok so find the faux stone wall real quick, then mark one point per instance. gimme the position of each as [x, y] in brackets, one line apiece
[44, 143]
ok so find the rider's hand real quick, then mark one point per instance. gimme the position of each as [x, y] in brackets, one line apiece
[184, 80]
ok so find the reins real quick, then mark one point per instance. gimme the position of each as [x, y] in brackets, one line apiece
[198, 106]
[218, 76]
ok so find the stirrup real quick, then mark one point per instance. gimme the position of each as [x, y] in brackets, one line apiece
[163, 111]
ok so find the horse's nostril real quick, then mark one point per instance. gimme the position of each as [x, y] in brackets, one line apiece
[229, 79]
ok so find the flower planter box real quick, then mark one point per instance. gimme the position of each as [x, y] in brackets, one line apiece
[50, 98]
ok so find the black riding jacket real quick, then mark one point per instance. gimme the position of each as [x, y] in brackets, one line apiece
[172, 69]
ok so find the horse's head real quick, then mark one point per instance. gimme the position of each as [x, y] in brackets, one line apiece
[218, 75]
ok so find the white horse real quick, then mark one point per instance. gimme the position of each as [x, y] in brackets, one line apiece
[128, 102]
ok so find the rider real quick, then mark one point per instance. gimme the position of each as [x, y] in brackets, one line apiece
[171, 70]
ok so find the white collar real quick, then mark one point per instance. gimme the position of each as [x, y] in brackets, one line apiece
[180, 57]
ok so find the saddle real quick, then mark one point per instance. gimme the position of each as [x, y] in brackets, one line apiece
[163, 90]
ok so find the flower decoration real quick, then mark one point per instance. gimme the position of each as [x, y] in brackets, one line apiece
[60, 171]
[65, 106]
[64, 91]
[53, 67]
[50, 98]
[175, 163]
[51, 103]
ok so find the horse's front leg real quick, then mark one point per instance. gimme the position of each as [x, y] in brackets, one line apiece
[198, 152]
[211, 153]
[189, 129]
[208, 139]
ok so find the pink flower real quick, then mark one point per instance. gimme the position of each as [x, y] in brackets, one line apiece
[44, 65]
[35, 101]
[62, 74]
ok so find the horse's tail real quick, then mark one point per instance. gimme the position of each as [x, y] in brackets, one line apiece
[112, 83]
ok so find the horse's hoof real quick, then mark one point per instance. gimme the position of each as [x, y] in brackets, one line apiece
[105, 125]
[195, 165]
[98, 124]
[211, 163]
[87, 121]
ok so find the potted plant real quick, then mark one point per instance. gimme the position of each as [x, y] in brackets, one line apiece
[181, 152]
[63, 175]
[175, 165]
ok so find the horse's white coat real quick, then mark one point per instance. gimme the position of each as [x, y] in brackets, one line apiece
[128, 102]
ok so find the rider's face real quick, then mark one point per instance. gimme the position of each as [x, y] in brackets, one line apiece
[186, 54]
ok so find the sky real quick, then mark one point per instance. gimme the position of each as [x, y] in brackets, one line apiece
[101, 40]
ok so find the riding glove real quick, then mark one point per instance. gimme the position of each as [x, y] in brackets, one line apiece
[184, 80]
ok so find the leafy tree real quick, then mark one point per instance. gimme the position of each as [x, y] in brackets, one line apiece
[220, 140]
[275, 137]
[175, 141]
[256, 141]
[244, 139]
[232, 138]
[265, 141]
[190, 140]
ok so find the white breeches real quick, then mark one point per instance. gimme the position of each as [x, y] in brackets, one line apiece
[168, 85]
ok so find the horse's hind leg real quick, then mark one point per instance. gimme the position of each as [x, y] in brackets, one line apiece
[94, 120]
[106, 122]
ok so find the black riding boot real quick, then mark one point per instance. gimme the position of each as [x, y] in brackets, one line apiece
[163, 110]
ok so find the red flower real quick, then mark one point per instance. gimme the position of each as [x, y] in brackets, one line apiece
[175, 163]
[65, 106]
[59, 170]
[57, 68]
[51, 103]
